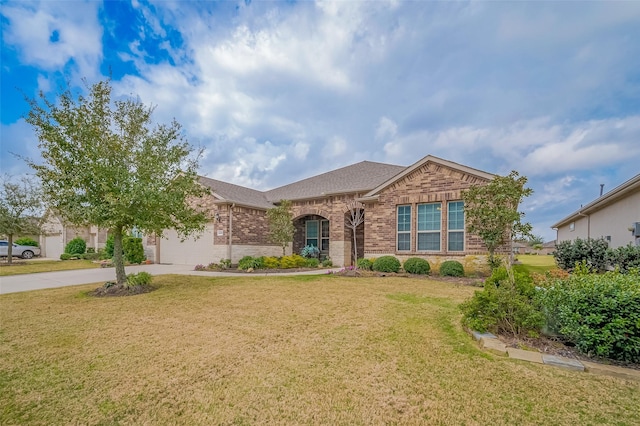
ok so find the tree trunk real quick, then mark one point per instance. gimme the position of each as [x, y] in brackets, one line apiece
[355, 247]
[10, 249]
[118, 258]
[283, 250]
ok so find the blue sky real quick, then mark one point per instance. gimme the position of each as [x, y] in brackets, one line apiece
[279, 91]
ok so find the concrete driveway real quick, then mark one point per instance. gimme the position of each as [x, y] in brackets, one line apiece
[42, 280]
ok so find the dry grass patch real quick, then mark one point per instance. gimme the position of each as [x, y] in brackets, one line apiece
[277, 350]
[35, 266]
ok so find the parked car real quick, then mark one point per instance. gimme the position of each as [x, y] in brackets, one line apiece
[25, 252]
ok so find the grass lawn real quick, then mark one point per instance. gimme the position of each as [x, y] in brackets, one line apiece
[536, 263]
[33, 266]
[278, 350]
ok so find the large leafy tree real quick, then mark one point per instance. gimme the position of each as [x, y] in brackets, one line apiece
[492, 211]
[106, 164]
[281, 227]
[21, 208]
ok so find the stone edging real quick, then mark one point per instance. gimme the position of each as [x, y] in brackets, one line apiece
[492, 344]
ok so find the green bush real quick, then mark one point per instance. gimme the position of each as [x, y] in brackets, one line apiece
[91, 250]
[624, 258]
[599, 313]
[65, 256]
[108, 247]
[416, 265]
[250, 262]
[386, 264]
[76, 246]
[271, 262]
[133, 250]
[26, 241]
[293, 261]
[452, 268]
[312, 263]
[504, 306]
[592, 251]
[141, 278]
[91, 256]
[327, 263]
[365, 264]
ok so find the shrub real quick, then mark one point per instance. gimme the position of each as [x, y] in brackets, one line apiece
[133, 250]
[65, 256]
[26, 241]
[312, 263]
[600, 314]
[91, 256]
[504, 306]
[225, 263]
[141, 278]
[76, 246]
[91, 250]
[293, 261]
[309, 251]
[199, 267]
[271, 262]
[386, 264]
[416, 265]
[624, 258]
[452, 268]
[592, 251]
[327, 263]
[365, 264]
[248, 262]
[108, 247]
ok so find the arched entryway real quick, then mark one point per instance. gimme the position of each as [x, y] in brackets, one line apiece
[312, 230]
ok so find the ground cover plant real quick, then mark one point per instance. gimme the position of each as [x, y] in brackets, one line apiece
[32, 267]
[278, 350]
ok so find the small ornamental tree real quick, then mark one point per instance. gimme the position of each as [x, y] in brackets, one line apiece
[105, 164]
[492, 211]
[354, 219]
[20, 206]
[281, 227]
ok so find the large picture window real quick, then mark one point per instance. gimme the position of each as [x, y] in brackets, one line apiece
[312, 233]
[404, 228]
[429, 220]
[455, 226]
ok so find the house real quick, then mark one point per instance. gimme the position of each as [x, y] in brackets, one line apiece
[409, 211]
[56, 233]
[614, 216]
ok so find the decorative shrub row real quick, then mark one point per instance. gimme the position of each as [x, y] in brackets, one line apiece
[597, 255]
[413, 265]
[284, 262]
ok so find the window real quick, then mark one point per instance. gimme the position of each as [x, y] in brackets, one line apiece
[429, 219]
[572, 226]
[404, 228]
[324, 235]
[456, 226]
[312, 233]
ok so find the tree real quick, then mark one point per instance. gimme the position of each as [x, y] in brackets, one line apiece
[20, 206]
[492, 211]
[534, 240]
[281, 227]
[355, 219]
[105, 164]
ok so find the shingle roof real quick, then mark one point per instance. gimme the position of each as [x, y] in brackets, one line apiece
[359, 177]
[236, 193]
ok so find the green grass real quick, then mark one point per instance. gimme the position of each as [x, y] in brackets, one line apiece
[536, 263]
[35, 266]
[269, 350]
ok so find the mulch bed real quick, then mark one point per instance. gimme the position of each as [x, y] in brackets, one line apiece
[119, 291]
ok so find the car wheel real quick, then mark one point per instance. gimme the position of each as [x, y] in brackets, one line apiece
[27, 254]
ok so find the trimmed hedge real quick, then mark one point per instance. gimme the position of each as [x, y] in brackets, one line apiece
[451, 268]
[592, 251]
[386, 264]
[416, 265]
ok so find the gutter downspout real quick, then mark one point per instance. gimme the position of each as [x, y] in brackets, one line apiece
[230, 245]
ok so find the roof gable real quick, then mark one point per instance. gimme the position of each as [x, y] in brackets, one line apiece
[224, 191]
[466, 173]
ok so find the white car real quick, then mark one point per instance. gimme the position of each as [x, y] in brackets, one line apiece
[25, 252]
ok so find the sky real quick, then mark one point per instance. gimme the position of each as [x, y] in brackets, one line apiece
[279, 91]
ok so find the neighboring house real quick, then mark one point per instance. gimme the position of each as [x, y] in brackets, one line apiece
[56, 234]
[614, 216]
[521, 248]
[409, 211]
[548, 248]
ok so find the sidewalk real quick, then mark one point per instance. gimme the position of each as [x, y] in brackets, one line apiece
[43, 280]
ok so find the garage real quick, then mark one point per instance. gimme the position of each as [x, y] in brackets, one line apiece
[188, 252]
[52, 247]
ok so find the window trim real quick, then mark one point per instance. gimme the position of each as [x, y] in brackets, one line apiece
[433, 231]
[450, 231]
[405, 232]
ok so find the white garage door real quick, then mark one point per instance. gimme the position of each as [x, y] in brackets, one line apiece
[52, 246]
[188, 252]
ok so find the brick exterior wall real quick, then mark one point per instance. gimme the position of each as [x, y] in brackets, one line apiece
[427, 184]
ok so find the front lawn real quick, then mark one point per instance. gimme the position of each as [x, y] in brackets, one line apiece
[536, 263]
[23, 267]
[278, 350]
